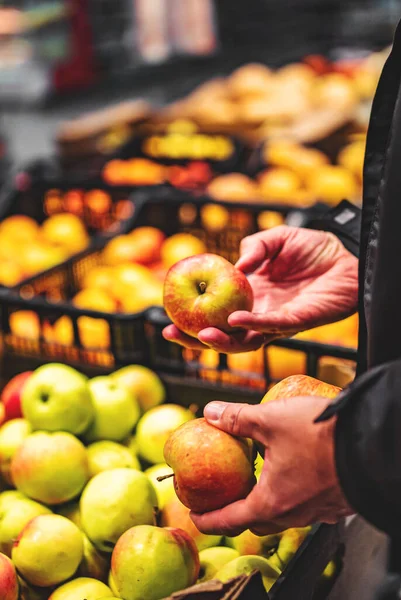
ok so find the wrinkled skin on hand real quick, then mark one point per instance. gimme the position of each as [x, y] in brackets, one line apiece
[300, 279]
[298, 485]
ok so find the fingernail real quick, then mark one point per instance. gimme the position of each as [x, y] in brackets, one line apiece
[213, 411]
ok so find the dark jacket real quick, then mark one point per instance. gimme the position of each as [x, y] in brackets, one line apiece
[368, 431]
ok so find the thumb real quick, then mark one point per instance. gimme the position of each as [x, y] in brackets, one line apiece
[242, 420]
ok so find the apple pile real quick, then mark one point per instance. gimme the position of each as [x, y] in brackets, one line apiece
[87, 510]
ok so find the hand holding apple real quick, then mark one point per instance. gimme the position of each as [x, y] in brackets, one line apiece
[211, 468]
[298, 485]
[203, 291]
[300, 279]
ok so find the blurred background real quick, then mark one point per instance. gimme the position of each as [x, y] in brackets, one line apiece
[61, 58]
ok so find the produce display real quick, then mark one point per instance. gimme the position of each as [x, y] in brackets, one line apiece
[27, 248]
[91, 511]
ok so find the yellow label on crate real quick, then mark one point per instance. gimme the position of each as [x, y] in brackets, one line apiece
[193, 147]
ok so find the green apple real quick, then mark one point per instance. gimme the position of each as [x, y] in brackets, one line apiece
[152, 563]
[164, 489]
[144, 384]
[94, 564]
[116, 410]
[8, 579]
[8, 498]
[156, 426]
[14, 516]
[72, 512]
[56, 398]
[48, 550]
[50, 467]
[244, 565]
[213, 559]
[82, 588]
[248, 543]
[12, 434]
[284, 545]
[106, 455]
[112, 502]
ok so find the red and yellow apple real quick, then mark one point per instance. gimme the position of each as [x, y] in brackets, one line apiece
[301, 385]
[8, 579]
[50, 467]
[211, 467]
[203, 291]
[11, 395]
[175, 514]
[152, 562]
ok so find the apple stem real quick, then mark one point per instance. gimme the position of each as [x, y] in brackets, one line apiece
[202, 287]
[163, 477]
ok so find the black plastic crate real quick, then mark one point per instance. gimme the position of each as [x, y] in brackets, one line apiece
[129, 337]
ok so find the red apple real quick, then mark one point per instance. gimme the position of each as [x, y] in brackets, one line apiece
[11, 395]
[8, 579]
[2, 414]
[301, 385]
[203, 290]
[175, 514]
[211, 467]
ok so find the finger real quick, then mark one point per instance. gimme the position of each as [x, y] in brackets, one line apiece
[243, 420]
[230, 520]
[253, 255]
[171, 333]
[257, 248]
[273, 323]
[231, 343]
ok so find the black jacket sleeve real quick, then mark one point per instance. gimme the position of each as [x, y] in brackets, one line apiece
[344, 221]
[368, 445]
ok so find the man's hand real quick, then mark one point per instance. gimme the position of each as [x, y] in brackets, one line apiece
[298, 485]
[300, 279]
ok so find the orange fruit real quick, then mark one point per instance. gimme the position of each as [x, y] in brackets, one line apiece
[279, 185]
[67, 231]
[98, 201]
[250, 80]
[332, 184]
[40, 257]
[233, 187]
[99, 277]
[121, 249]
[352, 158]
[63, 332]
[138, 299]
[19, 227]
[94, 299]
[284, 362]
[131, 274]
[269, 218]
[148, 241]
[247, 362]
[180, 246]
[142, 171]
[94, 333]
[10, 273]
[335, 90]
[25, 324]
[214, 217]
